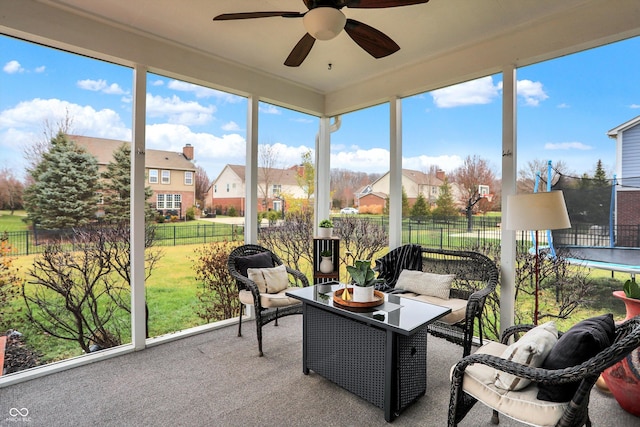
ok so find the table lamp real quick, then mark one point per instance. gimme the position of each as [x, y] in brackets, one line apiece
[534, 212]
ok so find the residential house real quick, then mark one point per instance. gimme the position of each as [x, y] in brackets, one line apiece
[414, 183]
[275, 187]
[169, 174]
[627, 136]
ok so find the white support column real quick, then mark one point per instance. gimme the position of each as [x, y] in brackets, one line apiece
[323, 173]
[251, 174]
[395, 173]
[138, 307]
[509, 174]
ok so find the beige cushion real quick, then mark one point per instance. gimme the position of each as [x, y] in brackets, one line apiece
[458, 306]
[531, 350]
[269, 280]
[423, 283]
[479, 382]
[270, 300]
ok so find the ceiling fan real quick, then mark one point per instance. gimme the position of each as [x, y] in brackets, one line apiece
[324, 20]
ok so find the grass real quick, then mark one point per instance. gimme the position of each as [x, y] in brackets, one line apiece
[13, 222]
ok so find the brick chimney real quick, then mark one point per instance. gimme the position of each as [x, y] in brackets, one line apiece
[187, 150]
[440, 174]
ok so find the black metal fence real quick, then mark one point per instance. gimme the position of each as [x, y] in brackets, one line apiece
[450, 233]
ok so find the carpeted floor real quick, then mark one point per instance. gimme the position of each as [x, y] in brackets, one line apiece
[217, 379]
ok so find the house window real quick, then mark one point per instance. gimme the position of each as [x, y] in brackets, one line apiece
[169, 201]
[160, 202]
[166, 177]
[277, 188]
[188, 178]
[227, 188]
[153, 176]
[215, 188]
[177, 201]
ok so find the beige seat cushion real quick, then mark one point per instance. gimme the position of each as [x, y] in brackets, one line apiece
[458, 306]
[521, 405]
[270, 300]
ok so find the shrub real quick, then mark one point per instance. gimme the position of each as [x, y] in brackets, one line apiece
[218, 294]
[232, 211]
[191, 214]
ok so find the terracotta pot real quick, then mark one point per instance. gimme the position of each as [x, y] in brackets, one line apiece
[623, 378]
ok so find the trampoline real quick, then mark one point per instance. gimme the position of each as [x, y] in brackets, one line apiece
[624, 260]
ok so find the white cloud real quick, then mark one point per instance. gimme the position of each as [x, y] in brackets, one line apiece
[101, 86]
[567, 146]
[178, 111]
[475, 92]
[484, 91]
[563, 105]
[203, 92]
[356, 159]
[40, 69]
[92, 85]
[12, 67]
[634, 106]
[231, 126]
[532, 92]
[269, 109]
[422, 163]
[157, 83]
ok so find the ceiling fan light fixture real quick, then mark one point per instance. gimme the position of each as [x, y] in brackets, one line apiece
[324, 23]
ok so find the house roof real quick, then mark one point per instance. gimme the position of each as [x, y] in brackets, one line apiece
[288, 176]
[422, 178]
[442, 42]
[103, 150]
[623, 127]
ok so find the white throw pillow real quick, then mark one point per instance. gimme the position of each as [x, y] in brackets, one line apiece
[530, 350]
[422, 283]
[269, 280]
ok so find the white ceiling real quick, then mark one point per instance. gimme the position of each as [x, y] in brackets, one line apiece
[442, 42]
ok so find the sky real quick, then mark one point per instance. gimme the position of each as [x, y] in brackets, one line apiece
[565, 108]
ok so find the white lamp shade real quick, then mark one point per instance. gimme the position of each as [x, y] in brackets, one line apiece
[324, 23]
[537, 211]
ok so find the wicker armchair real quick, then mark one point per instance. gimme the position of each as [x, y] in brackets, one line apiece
[572, 413]
[476, 277]
[268, 306]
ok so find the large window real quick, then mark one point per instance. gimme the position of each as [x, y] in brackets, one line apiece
[153, 176]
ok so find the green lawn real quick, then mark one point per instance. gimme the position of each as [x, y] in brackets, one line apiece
[13, 222]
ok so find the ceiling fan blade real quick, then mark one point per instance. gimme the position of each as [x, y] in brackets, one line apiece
[300, 51]
[251, 15]
[376, 4]
[375, 42]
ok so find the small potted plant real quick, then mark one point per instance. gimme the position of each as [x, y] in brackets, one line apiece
[325, 228]
[326, 265]
[363, 277]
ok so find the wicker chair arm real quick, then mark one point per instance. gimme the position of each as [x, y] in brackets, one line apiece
[298, 276]
[513, 330]
[628, 338]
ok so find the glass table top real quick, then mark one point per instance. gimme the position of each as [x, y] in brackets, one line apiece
[402, 314]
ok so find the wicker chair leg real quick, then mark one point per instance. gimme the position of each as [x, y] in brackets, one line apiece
[277, 315]
[240, 321]
[259, 331]
[494, 417]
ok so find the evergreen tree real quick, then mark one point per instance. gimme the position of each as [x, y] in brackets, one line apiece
[116, 186]
[64, 190]
[420, 208]
[444, 204]
[600, 176]
[405, 203]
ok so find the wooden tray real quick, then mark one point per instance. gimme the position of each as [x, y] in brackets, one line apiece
[377, 295]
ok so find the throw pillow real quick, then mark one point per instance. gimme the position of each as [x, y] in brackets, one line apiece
[259, 260]
[419, 282]
[530, 350]
[580, 343]
[269, 280]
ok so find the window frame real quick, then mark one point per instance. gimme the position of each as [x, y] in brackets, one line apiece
[153, 173]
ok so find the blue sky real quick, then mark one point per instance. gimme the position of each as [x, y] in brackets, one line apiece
[565, 108]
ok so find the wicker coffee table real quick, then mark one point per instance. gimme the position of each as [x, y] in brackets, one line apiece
[378, 353]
